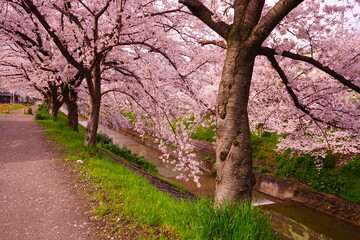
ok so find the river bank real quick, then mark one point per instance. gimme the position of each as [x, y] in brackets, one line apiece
[129, 207]
[275, 187]
[291, 196]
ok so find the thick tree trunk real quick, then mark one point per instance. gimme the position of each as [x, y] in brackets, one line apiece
[73, 117]
[53, 105]
[70, 96]
[95, 103]
[235, 178]
[55, 108]
[244, 38]
[93, 122]
[53, 100]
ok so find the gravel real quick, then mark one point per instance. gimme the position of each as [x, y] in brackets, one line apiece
[38, 200]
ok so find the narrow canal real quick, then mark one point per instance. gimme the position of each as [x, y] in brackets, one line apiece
[295, 221]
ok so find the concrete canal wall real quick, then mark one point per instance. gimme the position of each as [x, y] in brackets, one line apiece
[290, 190]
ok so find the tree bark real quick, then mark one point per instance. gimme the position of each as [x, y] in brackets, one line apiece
[70, 96]
[53, 100]
[94, 84]
[54, 108]
[93, 122]
[73, 117]
[235, 178]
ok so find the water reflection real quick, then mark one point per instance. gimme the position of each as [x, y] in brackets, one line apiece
[297, 221]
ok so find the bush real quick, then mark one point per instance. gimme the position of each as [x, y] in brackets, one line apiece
[102, 138]
[350, 177]
[327, 182]
[343, 182]
[42, 116]
[106, 142]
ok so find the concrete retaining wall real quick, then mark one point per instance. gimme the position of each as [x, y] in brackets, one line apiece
[290, 190]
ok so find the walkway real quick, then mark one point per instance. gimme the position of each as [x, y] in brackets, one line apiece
[37, 198]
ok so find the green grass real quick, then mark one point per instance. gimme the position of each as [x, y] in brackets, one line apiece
[191, 220]
[204, 133]
[129, 205]
[16, 106]
[42, 114]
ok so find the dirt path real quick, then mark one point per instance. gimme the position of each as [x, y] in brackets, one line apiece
[36, 197]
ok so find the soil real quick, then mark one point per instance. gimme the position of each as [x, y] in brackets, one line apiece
[38, 199]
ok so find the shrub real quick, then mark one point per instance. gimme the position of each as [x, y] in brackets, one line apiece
[106, 142]
[102, 138]
[327, 182]
[343, 182]
[42, 116]
[350, 177]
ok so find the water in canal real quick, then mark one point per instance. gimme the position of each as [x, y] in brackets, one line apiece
[295, 221]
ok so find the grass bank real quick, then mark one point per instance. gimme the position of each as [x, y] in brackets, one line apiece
[131, 208]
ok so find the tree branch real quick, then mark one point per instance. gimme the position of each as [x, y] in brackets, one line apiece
[73, 18]
[166, 12]
[205, 15]
[292, 94]
[52, 34]
[221, 44]
[271, 52]
[251, 16]
[262, 30]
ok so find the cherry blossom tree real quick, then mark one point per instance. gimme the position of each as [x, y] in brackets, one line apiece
[250, 29]
[86, 33]
[32, 59]
[162, 99]
[282, 69]
[20, 71]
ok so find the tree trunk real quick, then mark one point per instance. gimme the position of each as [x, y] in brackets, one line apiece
[235, 178]
[48, 104]
[73, 117]
[93, 122]
[244, 38]
[56, 105]
[70, 96]
[53, 104]
[53, 100]
[95, 103]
